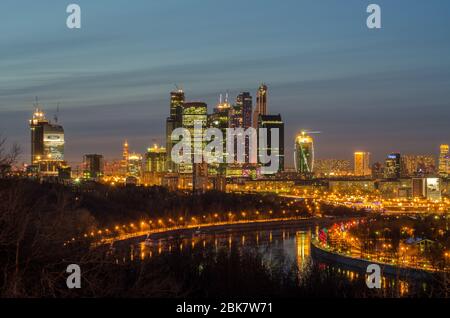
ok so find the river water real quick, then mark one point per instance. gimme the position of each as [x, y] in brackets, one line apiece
[292, 242]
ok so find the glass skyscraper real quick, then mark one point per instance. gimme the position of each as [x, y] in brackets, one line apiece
[304, 155]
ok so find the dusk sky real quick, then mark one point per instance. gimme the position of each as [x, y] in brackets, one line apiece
[373, 90]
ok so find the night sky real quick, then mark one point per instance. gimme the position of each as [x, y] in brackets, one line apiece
[374, 90]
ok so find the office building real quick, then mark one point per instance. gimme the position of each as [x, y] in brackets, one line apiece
[261, 104]
[444, 161]
[393, 166]
[194, 113]
[304, 155]
[156, 159]
[173, 122]
[271, 122]
[47, 144]
[93, 167]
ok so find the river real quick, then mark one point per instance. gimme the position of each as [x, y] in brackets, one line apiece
[292, 241]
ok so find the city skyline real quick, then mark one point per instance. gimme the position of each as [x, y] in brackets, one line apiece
[116, 87]
[225, 156]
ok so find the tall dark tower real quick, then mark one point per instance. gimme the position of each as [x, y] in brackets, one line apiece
[261, 104]
[273, 122]
[245, 102]
[173, 122]
[243, 110]
[47, 144]
[37, 127]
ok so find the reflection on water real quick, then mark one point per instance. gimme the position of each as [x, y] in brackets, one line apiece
[294, 244]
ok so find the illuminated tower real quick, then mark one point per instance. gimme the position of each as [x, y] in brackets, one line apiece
[304, 155]
[245, 102]
[155, 159]
[261, 104]
[444, 160]
[271, 122]
[125, 151]
[362, 164]
[125, 156]
[173, 122]
[134, 165]
[93, 167]
[223, 117]
[47, 144]
[37, 126]
[195, 112]
[393, 166]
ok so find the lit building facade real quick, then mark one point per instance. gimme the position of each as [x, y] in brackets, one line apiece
[332, 167]
[245, 102]
[37, 124]
[194, 112]
[272, 122]
[304, 155]
[156, 159]
[444, 161]
[134, 165]
[433, 189]
[393, 166]
[261, 104]
[173, 122]
[418, 165]
[93, 167]
[362, 164]
[224, 116]
[124, 162]
[47, 144]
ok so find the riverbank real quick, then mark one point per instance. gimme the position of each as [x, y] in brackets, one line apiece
[239, 225]
[361, 264]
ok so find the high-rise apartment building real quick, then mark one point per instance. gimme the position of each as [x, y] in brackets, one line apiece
[444, 161]
[362, 164]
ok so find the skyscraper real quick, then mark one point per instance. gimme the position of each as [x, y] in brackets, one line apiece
[272, 122]
[134, 165]
[194, 112]
[362, 164]
[261, 104]
[444, 161]
[224, 116]
[93, 166]
[47, 144]
[304, 155]
[245, 102]
[124, 161]
[242, 118]
[37, 124]
[173, 122]
[155, 159]
[393, 166]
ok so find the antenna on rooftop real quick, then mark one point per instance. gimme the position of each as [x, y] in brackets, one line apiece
[57, 113]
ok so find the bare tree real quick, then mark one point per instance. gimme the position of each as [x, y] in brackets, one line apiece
[7, 158]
